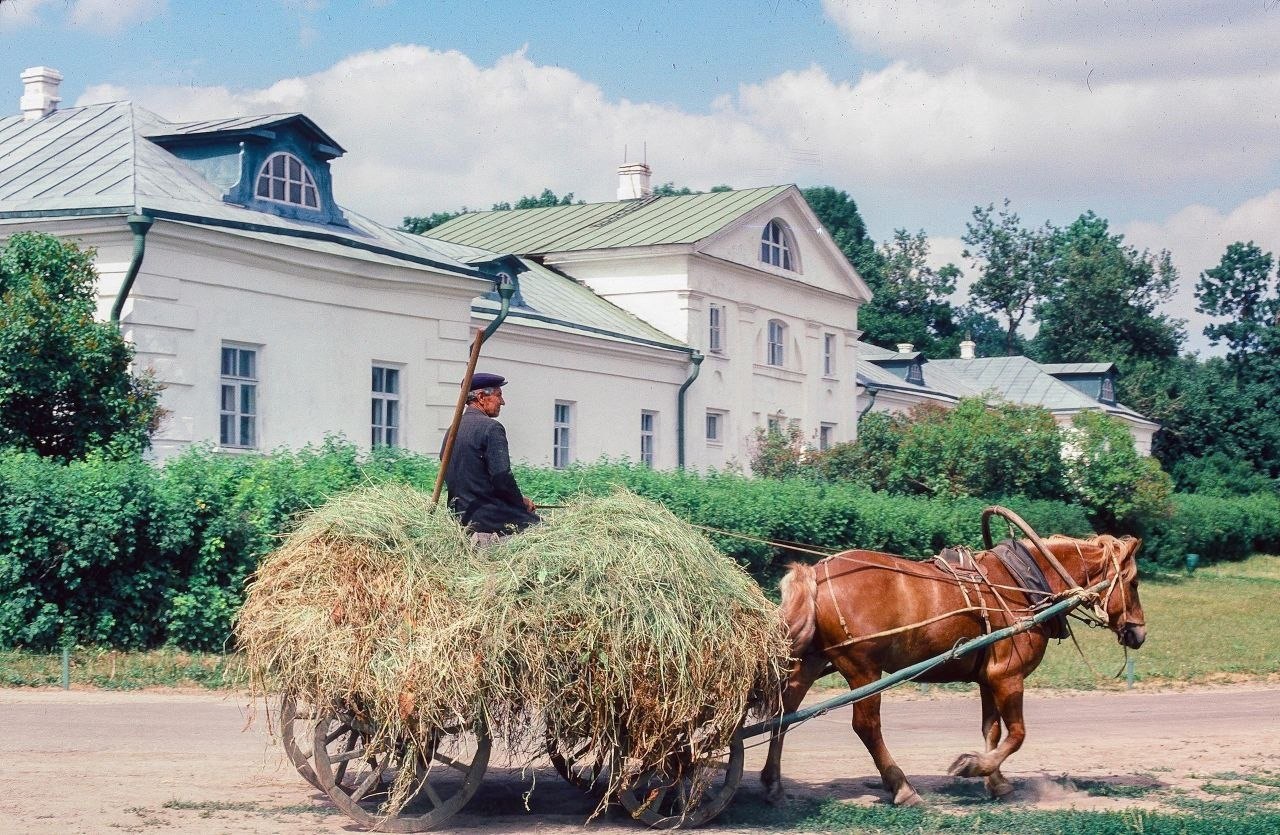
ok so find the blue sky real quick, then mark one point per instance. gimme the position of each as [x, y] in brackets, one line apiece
[1160, 116]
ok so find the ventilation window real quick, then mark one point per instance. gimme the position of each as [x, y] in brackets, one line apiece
[284, 179]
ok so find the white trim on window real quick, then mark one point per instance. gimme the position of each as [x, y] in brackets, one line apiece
[715, 328]
[238, 397]
[777, 248]
[648, 437]
[716, 426]
[826, 436]
[385, 412]
[283, 178]
[775, 346]
[562, 434]
[828, 355]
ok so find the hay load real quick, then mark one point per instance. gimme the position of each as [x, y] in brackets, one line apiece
[613, 623]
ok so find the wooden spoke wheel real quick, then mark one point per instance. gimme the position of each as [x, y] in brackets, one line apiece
[579, 762]
[684, 793]
[297, 732]
[446, 772]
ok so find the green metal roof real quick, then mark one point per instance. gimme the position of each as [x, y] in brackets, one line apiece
[98, 160]
[1078, 367]
[646, 222]
[555, 302]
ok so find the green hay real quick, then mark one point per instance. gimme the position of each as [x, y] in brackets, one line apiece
[614, 622]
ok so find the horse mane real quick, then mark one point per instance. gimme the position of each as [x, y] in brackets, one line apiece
[1123, 550]
[799, 608]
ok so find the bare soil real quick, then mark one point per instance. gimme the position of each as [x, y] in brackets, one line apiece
[165, 761]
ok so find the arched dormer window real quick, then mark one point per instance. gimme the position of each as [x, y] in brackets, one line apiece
[776, 246]
[284, 179]
[775, 353]
[1108, 392]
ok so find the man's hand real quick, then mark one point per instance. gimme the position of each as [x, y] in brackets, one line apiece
[529, 505]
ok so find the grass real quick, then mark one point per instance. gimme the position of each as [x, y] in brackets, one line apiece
[113, 670]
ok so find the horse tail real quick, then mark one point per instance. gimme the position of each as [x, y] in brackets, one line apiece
[800, 606]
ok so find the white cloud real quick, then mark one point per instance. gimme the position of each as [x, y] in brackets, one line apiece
[110, 16]
[1197, 237]
[19, 15]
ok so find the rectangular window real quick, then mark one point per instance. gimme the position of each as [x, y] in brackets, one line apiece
[715, 329]
[385, 402]
[715, 427]
[561, 443]
[774, 424]
[828, 354]
[238, 402]
[777, 333]
[826, 436]
[648, 430]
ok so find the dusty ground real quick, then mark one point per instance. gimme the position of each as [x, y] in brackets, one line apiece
[88, 761]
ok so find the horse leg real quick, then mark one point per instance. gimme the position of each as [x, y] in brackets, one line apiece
[1007, 696]
[997, 785]
[866, 724]
[803, 673]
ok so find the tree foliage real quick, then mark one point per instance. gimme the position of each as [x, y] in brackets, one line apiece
[65, 385]
[1122, 489]
[1243, 289]
[420, 224]
[1013, 266]
[1101, 301]
[910, 299]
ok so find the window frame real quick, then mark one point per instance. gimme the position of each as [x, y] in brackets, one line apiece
[715, 328]
[826, 436]
[239, 383]
[562, 434]
[305, 182]
[777, 246]
[648, 437]
[390, 431]
[1107, 391]
[776, 343]
[828, 354]
[718, 417]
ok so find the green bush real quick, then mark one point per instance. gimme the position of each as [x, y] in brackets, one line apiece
[123, 554]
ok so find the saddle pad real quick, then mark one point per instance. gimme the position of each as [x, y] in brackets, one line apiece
[1028, 574]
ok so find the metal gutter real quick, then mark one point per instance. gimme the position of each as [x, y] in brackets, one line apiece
[139, 224]
[873, 391]
[551, 320]
[696, 358]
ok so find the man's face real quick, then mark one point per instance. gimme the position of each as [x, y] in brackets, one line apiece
[491, 403]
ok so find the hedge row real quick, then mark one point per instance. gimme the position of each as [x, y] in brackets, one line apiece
[123, 554]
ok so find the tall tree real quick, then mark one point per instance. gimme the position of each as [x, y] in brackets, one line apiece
[1242, 289]
[420, 224]
[1013, 265]
[1102, 300]
[910, 299]
[839, 213]
[65, 386]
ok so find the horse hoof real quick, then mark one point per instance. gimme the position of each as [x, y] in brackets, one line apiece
[999, 790]
[908, 798]
[773, 794]
[966, 765]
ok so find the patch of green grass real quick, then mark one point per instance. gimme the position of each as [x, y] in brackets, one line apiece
[111, 670]
[881, 819]
[1218, 623]
[207, 808]
[1110, 788]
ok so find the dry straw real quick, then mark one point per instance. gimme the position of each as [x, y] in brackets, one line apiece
[613, 623]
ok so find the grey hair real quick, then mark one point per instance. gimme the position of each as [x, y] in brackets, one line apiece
[476, 394]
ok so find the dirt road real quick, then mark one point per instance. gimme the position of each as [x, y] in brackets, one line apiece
[156, 762]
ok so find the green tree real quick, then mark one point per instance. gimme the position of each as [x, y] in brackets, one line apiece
[910, 299]
[420, 224]
[1101, 302]
[1122, 489]
[839, 214]
[1013, 265]
[65, 386]
[1243, 290]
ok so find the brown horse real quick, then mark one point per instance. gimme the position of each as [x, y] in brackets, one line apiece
[867, 613]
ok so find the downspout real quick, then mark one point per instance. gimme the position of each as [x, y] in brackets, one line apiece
[696, 358]
[873, 392]
[140, 225]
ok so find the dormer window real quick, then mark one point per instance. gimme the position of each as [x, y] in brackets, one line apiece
[1108, 394]
[776, 246]
[284, 179]
[915, 373]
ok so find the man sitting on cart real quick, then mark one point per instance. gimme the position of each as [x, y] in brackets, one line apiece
[482, 490]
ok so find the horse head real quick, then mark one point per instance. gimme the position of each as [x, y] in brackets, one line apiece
[1120, 602]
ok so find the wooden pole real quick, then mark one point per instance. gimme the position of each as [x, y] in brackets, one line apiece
[458, 408]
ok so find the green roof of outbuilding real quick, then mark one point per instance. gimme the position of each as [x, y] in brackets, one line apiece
[650, 221]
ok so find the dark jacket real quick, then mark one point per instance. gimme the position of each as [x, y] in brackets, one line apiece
[482, 490]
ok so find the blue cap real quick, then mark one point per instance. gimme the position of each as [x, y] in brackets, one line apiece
[482, 380]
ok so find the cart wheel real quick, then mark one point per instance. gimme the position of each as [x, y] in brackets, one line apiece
[667, 801]
[356, 777]
[580, 766]
[297, 722]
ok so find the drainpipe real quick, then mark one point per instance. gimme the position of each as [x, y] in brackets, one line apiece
[696, 358]
[506, 289]
[140, 225]
[873, 392]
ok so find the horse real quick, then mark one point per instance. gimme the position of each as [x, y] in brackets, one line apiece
[868, 612]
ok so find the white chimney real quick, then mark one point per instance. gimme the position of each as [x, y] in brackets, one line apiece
[905, 348]
[967, 348]
[633, 181]
[39, 92]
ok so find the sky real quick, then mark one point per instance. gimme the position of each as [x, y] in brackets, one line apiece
[1161, 116]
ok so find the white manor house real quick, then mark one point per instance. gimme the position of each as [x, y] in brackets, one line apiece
[658, 329]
